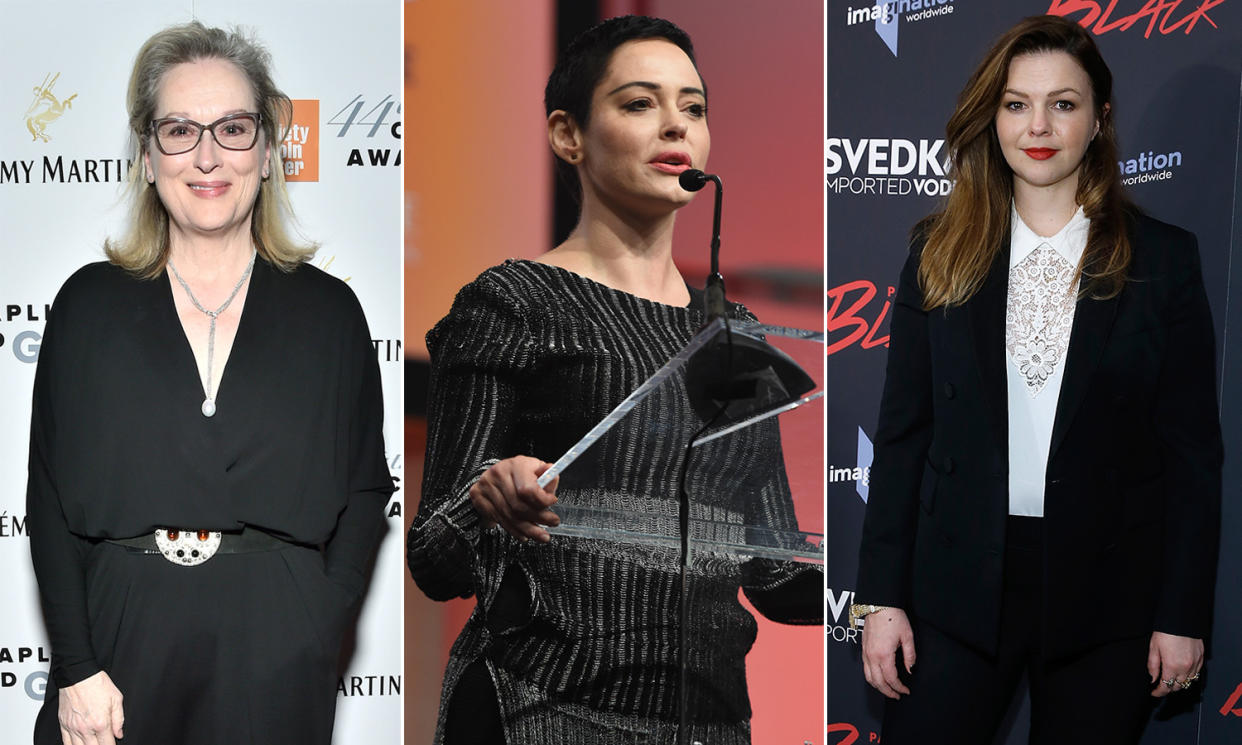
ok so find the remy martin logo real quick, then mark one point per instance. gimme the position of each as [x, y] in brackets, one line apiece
[46, 108]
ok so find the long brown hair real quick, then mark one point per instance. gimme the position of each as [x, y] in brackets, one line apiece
[143, 249]
[963, 240]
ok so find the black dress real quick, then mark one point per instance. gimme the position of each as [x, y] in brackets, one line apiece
[244, 647]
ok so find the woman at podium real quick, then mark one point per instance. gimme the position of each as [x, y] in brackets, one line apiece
[575, 640]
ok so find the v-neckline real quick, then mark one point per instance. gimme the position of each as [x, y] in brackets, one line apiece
[187, 357]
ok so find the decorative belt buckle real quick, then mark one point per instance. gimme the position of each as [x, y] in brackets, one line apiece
[187, 547]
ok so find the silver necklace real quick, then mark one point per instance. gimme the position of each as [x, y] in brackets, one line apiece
[209, 403]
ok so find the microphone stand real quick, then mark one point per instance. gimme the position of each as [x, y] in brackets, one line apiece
[727, 380]
[693, 179]
[713, 307]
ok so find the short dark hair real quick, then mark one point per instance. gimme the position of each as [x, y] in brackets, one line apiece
[582, 64]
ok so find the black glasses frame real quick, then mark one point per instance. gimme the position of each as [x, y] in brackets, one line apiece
[258, 125]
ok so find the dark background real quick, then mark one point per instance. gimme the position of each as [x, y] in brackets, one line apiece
[1173, 92]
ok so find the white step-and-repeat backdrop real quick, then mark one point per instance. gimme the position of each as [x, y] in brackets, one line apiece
[62, 167]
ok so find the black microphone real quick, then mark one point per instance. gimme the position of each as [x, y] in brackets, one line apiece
[735, 375]
[692, 179]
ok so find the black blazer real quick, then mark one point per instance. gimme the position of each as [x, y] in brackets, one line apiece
[1132, 498]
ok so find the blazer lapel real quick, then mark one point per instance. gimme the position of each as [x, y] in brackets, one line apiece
[987, 327]
[1093, 319]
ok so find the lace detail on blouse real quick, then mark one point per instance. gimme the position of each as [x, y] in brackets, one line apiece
[1039, 315]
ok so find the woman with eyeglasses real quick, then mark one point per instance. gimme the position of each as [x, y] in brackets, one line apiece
[207, 473]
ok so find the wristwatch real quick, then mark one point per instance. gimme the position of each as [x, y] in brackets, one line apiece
[859, 611]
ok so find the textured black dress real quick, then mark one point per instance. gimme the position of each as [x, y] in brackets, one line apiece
[243, 648]
[529, 358]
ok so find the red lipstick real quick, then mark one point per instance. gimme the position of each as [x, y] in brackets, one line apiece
[1040, 153]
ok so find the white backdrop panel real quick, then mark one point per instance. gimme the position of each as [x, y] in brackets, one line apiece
[59, 198]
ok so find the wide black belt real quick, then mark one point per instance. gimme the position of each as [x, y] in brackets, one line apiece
[193, 547]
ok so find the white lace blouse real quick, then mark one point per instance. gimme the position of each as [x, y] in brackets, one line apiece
[1039, 314]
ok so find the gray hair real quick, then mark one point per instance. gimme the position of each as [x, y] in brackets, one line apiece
[144, 249]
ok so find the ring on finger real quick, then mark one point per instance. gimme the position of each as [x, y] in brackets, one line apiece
[1170, 682]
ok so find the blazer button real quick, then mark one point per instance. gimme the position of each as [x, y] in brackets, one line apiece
[948, 390]
[948, 465]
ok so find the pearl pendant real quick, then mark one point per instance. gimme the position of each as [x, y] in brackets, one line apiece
[209, 407]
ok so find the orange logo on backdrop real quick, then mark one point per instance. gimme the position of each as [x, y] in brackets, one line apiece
[300, 150]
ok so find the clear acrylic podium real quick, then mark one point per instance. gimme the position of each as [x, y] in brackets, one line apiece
[706, 432]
